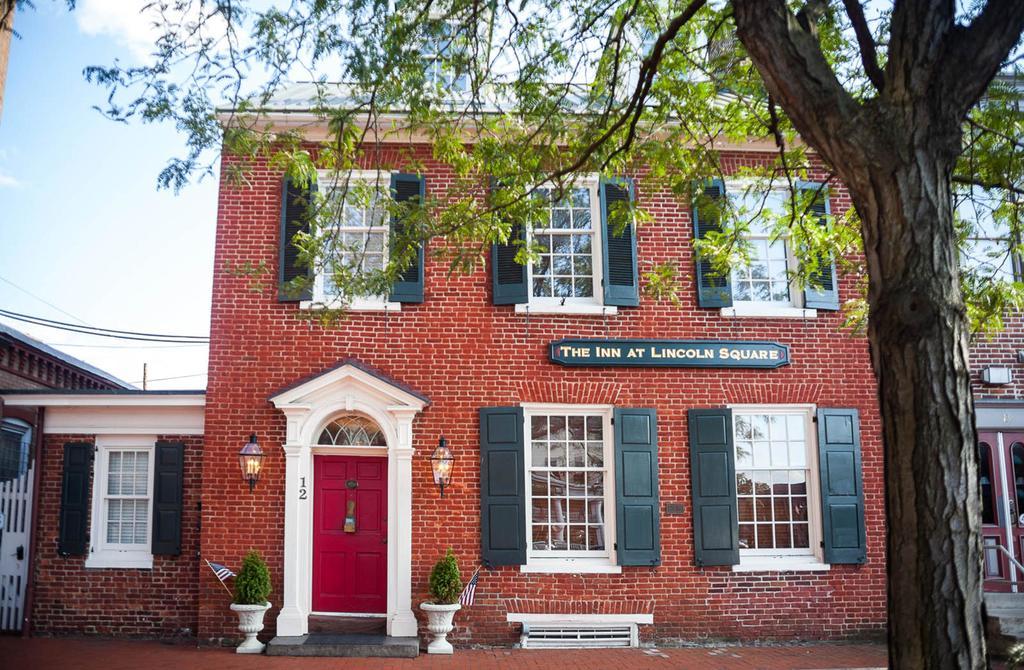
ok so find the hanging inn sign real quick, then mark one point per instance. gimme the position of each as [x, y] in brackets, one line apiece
[670, 353]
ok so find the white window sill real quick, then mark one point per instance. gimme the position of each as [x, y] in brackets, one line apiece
[120, 559]
[767, 311]
[313, 305]
[570, 619]
[570, 566]
[555, 308]
[781, 564]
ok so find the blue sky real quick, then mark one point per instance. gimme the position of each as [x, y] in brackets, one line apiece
[82, 224]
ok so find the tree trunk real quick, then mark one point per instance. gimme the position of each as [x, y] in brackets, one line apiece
[919, 337]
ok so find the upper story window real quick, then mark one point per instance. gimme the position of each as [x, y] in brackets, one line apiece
[441, 70]
[570, 511]
[566, 239]
[765, 280]
[989, 249]
[357, 237]
[776, 484]
[567, 275]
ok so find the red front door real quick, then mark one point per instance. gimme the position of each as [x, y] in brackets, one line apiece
[350, 565]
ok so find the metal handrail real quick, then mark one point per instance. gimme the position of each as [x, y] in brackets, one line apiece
[1013, 561]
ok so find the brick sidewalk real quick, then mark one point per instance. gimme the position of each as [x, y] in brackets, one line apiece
[91, 654]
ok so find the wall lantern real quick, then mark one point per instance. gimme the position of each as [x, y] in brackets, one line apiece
[250, 458]
[441, 462]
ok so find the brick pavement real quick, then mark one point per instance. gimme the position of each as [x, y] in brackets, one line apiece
[96, 654]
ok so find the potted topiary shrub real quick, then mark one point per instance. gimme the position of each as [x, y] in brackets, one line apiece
[445, 589]
[252, 587]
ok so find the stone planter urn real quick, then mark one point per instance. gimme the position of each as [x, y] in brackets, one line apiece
[250, 622]
[439, 623]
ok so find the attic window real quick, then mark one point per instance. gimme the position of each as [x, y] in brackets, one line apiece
[353, 431]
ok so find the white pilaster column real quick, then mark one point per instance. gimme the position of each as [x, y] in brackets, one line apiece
[294, 616]
[402, 622]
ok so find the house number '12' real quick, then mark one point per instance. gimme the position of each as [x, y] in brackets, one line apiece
[302, 488]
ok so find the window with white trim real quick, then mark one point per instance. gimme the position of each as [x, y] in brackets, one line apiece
[440, 70]
[357, 236]
[765, 279]
[121, 534]
[568, 271]
[570, 487]
[776, 483]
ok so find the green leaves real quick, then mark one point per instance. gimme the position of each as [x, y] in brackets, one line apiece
[530, 94]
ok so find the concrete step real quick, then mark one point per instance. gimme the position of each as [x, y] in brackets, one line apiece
[353, 645]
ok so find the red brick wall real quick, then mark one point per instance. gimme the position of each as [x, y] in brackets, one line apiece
[999, 350]
[71, 599]
[464, 353]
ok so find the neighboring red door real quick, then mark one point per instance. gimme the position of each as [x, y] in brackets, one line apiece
[1014, 445]
[993, 521]
[350, 568]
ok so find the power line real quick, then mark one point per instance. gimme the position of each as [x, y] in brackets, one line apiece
[127, 346]
[45, 302]
[167, 379]
[105, 332]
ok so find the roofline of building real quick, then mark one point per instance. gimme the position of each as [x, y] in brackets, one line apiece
[101, 398]
[61, 357]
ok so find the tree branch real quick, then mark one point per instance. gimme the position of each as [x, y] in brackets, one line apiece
[973, 54]
[1004, 184]
[868, 55]
[797, 76]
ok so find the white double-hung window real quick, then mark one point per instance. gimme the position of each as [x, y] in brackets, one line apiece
[122, 505]
[777, 487]
[356, 208]
[570, 488]
[568, 271]
[763, 286]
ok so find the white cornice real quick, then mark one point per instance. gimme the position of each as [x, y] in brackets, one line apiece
[103, 400]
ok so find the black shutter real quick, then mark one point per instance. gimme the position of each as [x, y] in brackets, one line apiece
[508, 278]
[716, 531]
[296, 205]
[502, 487]
[168, 485]
[842, 486]
[823, 289]
[637, 521]
[74, 499]
[408, 287]
[621, 286]
[713, 288]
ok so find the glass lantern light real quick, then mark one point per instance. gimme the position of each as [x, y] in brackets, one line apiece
[250, 459]
[441, 462]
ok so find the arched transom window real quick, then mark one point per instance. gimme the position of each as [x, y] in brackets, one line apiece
[353, 431]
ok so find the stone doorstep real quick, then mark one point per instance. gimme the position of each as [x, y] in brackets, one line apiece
[353, 645]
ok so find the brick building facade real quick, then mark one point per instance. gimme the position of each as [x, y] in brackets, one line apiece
[592, 494]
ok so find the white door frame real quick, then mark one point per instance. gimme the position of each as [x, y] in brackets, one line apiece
[308, 407]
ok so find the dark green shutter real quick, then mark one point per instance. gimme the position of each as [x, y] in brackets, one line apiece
[716, 534]
[713, 288]
[168, 488]
[509, 279]
[74, 499]
[502, 486]
[621, 286]
[842, 486]
[823, 289]
[408, 287]
[638, 531]
[296, 204]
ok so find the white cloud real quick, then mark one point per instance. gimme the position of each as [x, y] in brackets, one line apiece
[138, 24]
[123, 20]
[7, 181]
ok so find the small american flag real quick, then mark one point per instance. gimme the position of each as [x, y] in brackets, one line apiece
[469, 592]
[222, 572]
